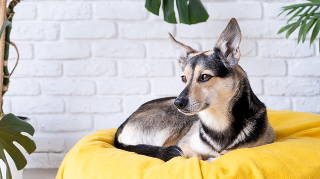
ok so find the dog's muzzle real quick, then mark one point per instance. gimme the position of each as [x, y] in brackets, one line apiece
[181, 103]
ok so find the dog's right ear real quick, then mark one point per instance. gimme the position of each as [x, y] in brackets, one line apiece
[181, 50]
[228, 44]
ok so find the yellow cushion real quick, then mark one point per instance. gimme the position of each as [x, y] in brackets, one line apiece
[295, 154]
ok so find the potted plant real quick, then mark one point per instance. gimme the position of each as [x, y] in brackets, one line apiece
[11, 126]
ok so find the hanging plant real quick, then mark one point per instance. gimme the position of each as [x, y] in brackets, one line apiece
[190, 11]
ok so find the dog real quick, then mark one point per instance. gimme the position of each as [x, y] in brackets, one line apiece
[217, 111]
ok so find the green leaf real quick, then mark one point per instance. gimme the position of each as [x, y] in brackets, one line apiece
[301, 31]
[308, 27]
[316, 15]
[168, 11]
[183, 9]
[315, 31]
[281, 13]
[291, 11]
[10, 131]
[293, 28]
[299, 5]
[153, 6]
[190, 11]
[296, 14]
[197, 12]
[285, 28]
[314, 1]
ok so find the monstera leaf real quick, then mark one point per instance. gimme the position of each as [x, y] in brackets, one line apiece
[10, 130]
[190, 11]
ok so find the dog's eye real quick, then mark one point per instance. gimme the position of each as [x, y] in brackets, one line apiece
[205, 77]
[184, 79]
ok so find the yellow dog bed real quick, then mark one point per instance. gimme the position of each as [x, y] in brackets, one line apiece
[295, 154]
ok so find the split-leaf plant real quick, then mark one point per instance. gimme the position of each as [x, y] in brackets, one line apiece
[305, 17]
[190, 11]
[10, 125]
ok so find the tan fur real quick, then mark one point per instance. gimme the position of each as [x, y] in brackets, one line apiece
[173, 141]
[223, 92]
[189, 153]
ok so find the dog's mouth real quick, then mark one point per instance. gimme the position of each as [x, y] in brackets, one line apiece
[187, 112]
[190, 113]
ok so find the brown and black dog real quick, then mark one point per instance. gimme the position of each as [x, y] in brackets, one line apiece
[216, 112]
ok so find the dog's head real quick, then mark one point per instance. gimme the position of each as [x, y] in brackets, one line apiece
[210, 77]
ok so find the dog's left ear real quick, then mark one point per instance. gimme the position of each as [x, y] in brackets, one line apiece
[181, 50]
[228, 44]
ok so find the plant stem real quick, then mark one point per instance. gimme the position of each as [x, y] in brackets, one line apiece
[6, 75]
[3, 4]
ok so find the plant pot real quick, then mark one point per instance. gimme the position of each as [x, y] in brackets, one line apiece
[15, 173]
[24, 118]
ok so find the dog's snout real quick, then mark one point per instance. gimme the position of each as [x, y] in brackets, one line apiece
[181, 103]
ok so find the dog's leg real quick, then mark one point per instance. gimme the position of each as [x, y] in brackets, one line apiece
[189, 153]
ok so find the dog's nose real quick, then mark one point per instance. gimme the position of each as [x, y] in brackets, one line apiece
[181, 103]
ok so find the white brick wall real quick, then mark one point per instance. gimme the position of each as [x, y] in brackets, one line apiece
[87, 65]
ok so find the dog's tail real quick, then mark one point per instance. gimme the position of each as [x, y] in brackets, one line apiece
[163, 153]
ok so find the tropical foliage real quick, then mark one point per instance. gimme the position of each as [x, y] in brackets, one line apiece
[305, 17]
[190, 11]
[10, 131]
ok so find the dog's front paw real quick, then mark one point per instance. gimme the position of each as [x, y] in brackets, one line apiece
[189, 153]
[210, 160]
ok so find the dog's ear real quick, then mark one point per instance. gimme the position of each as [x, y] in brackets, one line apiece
[181, 50]
[228, 44]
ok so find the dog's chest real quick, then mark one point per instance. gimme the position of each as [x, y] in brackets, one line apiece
[208, 142]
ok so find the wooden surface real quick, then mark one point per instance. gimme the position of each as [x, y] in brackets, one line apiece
[3, 4]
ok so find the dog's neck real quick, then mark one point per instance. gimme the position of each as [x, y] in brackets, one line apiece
[219, 117]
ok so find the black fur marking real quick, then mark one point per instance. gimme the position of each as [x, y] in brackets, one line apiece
[201, 134]
[220, 69]
[212, 62]
[185, 91]
[163, 153]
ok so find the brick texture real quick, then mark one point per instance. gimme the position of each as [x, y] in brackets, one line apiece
[67, 11]
[119, 49]
[68, 87]
[67, 50]
[239, 10]
[121, 11]
[146, 69]
[94, 105]
[35, 31]
[65, 123]
[124, 87]
[90, 68]
[89, 30]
